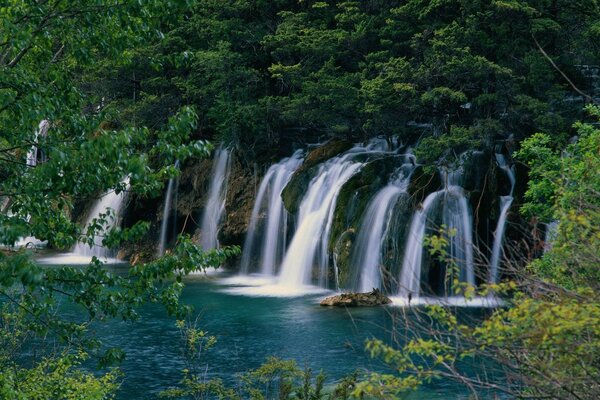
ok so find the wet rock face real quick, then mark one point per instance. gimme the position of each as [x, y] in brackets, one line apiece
[424, 182]
[298, 185]
[370, 299]
[343, 252]
[240, 198]
[357, 192]
[193, 186]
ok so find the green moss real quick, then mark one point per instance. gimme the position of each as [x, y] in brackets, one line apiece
[353, 200]
[343, 254]
[294, 191]
[423, 183]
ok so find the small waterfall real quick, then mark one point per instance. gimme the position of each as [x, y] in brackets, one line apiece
[110, 200]
[215, 205]
[410, 274]
[32, 154]
[374, 229]
[550, 235]
[31, 161]
[269, 206]
[166, 217]
[309, 245]
[505, 203]
[457, 219]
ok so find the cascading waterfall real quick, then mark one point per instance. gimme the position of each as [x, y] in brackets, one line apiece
[374, 229]
[505, 203]
[410, 274]
[215, 206]
[113, 201]
[456, 217]
[167, 212]
[270, 204]
[310, 242]
[458, 220]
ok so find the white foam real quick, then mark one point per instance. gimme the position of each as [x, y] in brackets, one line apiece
[274, 290]
[454, 301]
[28, 242]
[75, 259]
[249, 280]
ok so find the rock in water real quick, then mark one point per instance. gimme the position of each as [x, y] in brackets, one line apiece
[369, 299]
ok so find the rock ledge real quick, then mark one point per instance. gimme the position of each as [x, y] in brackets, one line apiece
[369, 299]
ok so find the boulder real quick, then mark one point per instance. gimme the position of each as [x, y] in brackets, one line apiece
[370, 299]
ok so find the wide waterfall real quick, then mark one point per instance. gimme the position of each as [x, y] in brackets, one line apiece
[167, 213]
[387, 242]
[368, 248]
[215, 205]
[268, 209]
[457, 220]
[113, 202]
[505, 203]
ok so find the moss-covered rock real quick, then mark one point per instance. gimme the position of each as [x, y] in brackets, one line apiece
[370, 299]
[358, 191]
[342, 252]
[476, 166]
[298, 185]
[352, 201]
[194, 183]
[424, 182]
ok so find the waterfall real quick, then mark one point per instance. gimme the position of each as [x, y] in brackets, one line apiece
[31, 161]
[269, 206]
[374, 229]
[550, 235]
[32, 154]
[505, 203]
[166, 217]
[410, 275]
[110, 200]
[457, 219]
[215, 205]
[309, 246]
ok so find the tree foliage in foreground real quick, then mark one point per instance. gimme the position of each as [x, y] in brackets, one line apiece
[45, 47]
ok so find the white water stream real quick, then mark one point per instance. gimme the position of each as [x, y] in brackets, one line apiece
[215, 205]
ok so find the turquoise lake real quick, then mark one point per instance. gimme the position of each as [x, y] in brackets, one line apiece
[251, 328]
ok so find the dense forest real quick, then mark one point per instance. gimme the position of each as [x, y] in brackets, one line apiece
[129, 97]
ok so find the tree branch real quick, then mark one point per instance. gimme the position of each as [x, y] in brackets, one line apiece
[575, 88]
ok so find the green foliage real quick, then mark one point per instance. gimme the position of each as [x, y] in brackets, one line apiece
[564, 186]
[56, 379]
[262, 73]
[88, 149]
